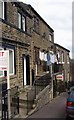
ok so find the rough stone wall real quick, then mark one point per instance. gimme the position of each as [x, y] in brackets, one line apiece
[30, 37]
[39, 41]
[11, 13]
[66, 64]
[43, 98]
[17, 38]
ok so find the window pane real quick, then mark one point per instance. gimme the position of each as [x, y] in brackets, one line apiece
[62, 56]
[67, 58]
[23, 23]
[1, 73]
[19, 20]
[2, 10]
[11, 62]
[50, 38]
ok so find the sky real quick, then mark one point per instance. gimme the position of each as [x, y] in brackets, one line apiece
[58, 14]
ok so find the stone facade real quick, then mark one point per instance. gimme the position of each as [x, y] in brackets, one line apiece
[64, 61]
[35, 36]
[24, 42]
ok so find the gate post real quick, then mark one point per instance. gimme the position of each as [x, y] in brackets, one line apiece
[51, 81]
[9, 104]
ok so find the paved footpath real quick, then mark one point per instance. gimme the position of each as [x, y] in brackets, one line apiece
[55, 109]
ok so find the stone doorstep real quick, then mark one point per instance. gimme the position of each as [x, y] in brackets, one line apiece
[23, 92]
[26, 116]
[31, 112]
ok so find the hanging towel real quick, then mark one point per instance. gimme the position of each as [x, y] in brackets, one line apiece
[41, 55]
[48, 59]
[52, 58]
[45, 57]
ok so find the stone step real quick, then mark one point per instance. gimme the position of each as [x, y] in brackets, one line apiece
[26, 104]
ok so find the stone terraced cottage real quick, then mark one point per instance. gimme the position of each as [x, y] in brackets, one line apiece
[25, 34]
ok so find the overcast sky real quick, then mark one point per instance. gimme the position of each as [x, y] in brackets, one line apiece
[58, 14]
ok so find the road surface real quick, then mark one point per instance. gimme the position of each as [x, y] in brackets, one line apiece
[55, 109]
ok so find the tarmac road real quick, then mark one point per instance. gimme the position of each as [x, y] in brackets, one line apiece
[55, 109]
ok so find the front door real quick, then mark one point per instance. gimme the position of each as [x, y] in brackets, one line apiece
[26, 70]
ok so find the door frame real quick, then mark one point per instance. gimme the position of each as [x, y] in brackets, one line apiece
[27, 69]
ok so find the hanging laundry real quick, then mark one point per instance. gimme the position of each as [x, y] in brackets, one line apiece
[52, 58]
[55, 59]
[45, 57]
[48, 58]
[51, 52]
[41, 55]
[58, 57]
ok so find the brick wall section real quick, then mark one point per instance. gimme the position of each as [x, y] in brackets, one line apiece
[12, 13]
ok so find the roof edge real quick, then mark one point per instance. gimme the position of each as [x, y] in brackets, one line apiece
[62, 47]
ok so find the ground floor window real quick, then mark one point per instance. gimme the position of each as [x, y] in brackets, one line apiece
[11, 62]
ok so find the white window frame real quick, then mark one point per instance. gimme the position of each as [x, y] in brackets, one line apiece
[63, 58]
[68, 58]
[13, 61]
[3, 71]
[50, 37]
[23, 23]
[19, 20]
[2, 9]
[58, 53]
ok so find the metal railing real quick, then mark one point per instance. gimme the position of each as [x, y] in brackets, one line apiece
[4, 101]
[41, 83]
[38, 86]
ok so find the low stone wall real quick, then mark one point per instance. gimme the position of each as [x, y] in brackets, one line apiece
[43, 98]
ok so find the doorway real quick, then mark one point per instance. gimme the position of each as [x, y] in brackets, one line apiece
[26, 70]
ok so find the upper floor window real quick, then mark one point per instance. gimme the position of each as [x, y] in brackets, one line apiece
[67, 58]
[3, 10]
[62, 57]
[1, 72]
[58, 56]
[11, 61]
[21, 22]
[50, 37]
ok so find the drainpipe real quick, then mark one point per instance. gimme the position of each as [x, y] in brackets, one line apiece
[36, 69]
[51, 81]
[8, 90]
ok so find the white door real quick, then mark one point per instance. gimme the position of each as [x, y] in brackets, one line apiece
[24, 70]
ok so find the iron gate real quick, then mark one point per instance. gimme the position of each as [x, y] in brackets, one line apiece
[4, 104]
[14, 103]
